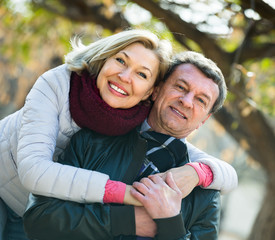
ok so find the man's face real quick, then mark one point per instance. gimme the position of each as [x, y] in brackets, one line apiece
[182, 103]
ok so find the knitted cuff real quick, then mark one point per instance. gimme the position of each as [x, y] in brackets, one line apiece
[204, 172]
[114, 192]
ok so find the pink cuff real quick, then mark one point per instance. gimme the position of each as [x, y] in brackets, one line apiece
[204, 172]
[114, 192]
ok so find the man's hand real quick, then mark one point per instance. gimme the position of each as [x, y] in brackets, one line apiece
[145, 226]
[185, 177]
[161, 199]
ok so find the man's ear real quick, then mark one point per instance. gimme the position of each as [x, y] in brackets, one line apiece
[207, 117]
[156, 92]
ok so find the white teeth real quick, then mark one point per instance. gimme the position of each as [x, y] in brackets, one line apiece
[179, 113]
[117, 89]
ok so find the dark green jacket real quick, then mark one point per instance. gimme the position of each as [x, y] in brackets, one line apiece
[120, 157]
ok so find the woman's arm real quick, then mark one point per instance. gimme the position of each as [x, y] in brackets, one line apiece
[37, 141]
[225, 177]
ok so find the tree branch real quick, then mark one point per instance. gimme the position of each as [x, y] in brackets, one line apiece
[262, 8]
[260, 140]
[81, 11]
[180, 29]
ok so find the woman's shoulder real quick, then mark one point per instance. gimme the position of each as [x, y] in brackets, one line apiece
[54, 80]
[60, 71]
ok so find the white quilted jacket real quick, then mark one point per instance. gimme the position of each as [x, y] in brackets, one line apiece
[31, 138]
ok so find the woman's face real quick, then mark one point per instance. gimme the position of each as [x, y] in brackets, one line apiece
[128, 77]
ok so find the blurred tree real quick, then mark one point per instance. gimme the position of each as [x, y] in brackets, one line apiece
[239, 35]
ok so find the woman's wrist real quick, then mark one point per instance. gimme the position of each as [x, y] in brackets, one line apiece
[129, 199]
[114, 192]
[204, 172]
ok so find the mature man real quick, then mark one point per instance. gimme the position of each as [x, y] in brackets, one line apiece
[194, 89]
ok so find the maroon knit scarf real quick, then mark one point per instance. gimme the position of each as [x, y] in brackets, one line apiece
[90, 111]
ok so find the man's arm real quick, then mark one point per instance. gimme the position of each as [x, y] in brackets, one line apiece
[50, 218]
[200, 214]
[162, 201]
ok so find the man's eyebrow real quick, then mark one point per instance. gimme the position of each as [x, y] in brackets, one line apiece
[146, 68]
[187, 83]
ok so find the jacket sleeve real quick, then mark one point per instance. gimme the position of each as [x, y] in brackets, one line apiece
[50, 218]
[55, 219]
[225, 177]
[37, 141]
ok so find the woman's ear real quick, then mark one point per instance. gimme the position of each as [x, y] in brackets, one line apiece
[148, 94]
[156, 92]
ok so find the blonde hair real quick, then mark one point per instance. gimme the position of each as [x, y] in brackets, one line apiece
[93, 56]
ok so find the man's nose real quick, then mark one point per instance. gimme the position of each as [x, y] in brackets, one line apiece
[125, 75]
[187, 100]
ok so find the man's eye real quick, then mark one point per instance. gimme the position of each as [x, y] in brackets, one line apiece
[181, 87]
[120, 60]
[142, 75]
[201, 101]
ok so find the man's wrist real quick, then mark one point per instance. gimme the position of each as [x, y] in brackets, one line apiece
[170, 228]
[123, 220]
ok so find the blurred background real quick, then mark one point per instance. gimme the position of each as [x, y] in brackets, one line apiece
[239, 35]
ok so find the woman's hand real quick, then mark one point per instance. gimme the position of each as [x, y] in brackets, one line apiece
[129, 199]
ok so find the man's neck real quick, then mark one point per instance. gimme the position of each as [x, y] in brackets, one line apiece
[145, 126]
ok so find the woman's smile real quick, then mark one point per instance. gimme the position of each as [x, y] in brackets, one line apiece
[115, 88]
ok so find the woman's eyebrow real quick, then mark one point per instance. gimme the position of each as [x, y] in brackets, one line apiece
[128, 57]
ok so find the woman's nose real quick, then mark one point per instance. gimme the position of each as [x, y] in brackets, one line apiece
[125, 75]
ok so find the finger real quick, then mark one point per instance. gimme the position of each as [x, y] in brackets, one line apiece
[137, 195]
[147, 182]
[142, 188]
[171, 182]
[156, 179]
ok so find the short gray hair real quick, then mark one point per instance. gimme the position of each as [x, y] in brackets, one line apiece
[207, 67]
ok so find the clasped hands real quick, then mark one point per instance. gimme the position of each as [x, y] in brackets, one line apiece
[160, 195]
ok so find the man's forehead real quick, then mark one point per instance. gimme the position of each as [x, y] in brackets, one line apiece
[191, 76]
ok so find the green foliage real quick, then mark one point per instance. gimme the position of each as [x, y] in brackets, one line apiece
[35, 35]
[28, 36]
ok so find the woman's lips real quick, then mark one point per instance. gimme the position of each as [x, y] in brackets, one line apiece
[118, 89]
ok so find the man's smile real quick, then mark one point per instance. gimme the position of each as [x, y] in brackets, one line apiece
[178, 113]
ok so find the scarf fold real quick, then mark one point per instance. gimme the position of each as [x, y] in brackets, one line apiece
[89, 110]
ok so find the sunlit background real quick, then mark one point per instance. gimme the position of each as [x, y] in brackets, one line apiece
[34, 36]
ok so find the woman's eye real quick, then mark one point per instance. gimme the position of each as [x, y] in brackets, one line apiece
[142, 75]
[120, 60]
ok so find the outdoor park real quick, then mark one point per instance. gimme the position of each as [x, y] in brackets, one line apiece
[239, 35]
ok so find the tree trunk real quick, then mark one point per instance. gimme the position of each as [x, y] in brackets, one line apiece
[263, 228]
